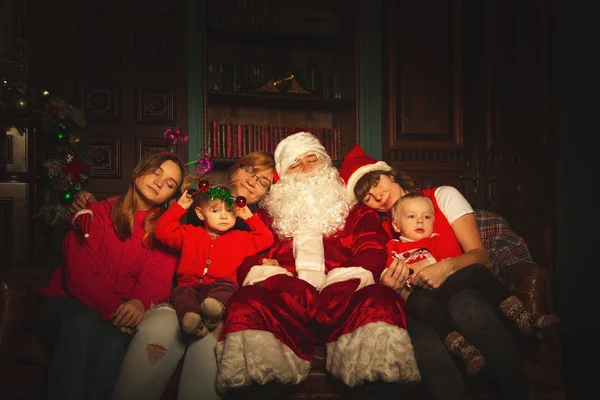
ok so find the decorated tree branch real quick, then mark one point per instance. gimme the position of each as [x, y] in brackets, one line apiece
[61, 139]
[65, 164]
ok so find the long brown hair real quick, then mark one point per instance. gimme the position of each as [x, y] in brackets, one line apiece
[128, 204]
[369, 179]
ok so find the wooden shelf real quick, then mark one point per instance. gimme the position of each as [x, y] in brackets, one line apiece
[276, 100]
[286, 40]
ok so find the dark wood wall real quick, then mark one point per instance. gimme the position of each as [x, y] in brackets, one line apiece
[124, 63]
[467, 104]
[466, 96]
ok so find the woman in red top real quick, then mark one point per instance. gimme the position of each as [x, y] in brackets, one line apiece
[107, 281]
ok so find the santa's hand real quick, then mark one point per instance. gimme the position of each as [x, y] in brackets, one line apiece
[395, 275]
[315, 278]
[269, 261]
[185, 200]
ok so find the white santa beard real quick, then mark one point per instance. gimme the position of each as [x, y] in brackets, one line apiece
[315, 202]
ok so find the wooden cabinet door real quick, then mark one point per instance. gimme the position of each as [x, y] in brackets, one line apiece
[423, 111]
[516, 163]
[466, 104]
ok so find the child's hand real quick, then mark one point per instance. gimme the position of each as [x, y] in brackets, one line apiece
[185, 200]
[243, 213]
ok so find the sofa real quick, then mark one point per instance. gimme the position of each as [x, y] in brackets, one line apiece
[23, 358]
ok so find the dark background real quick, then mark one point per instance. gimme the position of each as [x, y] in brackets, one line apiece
[575, 103]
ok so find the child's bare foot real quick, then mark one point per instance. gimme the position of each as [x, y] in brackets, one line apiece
[212, 312]
[192, 324]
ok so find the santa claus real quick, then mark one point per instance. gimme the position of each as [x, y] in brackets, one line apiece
[318, 283]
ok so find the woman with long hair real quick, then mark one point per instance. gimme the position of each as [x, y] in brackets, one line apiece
[112, 272]
[378, 186]
[160, 343]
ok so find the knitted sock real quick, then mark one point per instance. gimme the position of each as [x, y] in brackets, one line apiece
[192, 324]
[212, 312]
[457, 344]
[527, 322]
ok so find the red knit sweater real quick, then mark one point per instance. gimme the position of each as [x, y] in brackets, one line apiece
[205, 258]
[103, 271]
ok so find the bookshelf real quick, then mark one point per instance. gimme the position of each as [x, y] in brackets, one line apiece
[273, 66]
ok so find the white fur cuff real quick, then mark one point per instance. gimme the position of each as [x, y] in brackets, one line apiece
[344, 274]
[259, 273]
[257, 356]
[376, 351]
[315, 278]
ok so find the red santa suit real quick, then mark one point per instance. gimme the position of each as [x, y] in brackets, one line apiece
[272, 326]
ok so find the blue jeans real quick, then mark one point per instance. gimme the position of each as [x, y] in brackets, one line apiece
[86, 351]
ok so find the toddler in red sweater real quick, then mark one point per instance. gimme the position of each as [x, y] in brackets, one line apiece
[413, 218]
[210, 255]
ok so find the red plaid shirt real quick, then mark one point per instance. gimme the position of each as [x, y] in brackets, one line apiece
[503, 245]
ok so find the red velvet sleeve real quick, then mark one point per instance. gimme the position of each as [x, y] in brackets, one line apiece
[368, 241]
[169, 230]
[85, 277]
[155, 282]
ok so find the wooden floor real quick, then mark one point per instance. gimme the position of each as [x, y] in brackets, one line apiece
[581, 362]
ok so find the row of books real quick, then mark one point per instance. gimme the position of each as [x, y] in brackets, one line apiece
[300, 18]
[229, 140]
[238, 75]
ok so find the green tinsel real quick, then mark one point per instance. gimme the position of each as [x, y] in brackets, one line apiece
[219, 193]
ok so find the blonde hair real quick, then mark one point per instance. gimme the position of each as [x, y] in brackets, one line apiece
[397, 206]
[127, 205]
[259, 160]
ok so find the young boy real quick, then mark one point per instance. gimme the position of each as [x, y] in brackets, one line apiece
[210, 255]
[413, 218]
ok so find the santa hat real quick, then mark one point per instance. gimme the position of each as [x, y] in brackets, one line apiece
[356, 164]
[295, 146]
[82, 221]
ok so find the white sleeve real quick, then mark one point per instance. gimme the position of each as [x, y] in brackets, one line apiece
[452, 203]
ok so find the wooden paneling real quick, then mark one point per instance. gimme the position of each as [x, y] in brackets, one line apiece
[14, 225]
[467, 106]
[424, 85]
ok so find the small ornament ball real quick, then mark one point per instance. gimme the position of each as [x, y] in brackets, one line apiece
[240, 201]
[203, 186]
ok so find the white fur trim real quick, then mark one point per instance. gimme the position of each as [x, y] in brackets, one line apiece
[344, 274]
[315, 278]
[259, 273]
[257, 356]
[309, 256]
[79, 213]
[356, 175]
[376, 351]
[294, 146]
